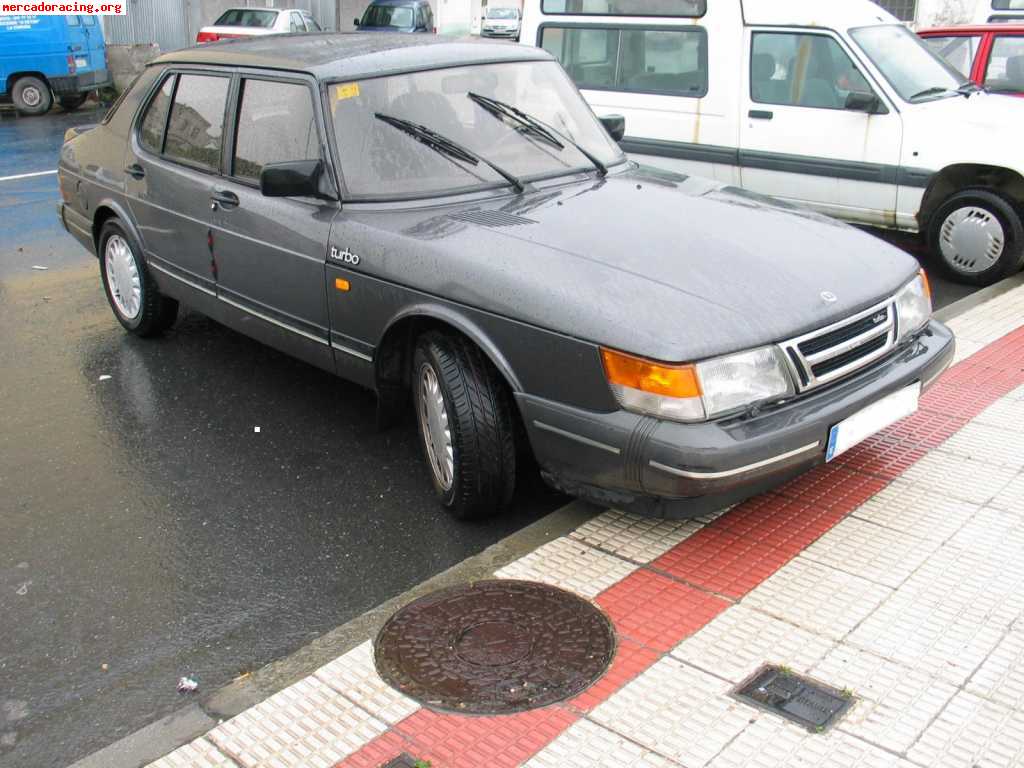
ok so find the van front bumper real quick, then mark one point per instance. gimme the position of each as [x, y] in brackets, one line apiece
[84, 81]
[668, 469]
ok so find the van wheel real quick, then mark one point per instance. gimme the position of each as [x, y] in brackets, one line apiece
[73, 101]
[132, 293]
[464, 417]
[977, 237]
[31, 96]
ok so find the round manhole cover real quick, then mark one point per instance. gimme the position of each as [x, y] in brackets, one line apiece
[495, 647]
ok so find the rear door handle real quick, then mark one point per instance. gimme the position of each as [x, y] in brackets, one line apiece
[224, 198]
[136, 171]
[761, 114]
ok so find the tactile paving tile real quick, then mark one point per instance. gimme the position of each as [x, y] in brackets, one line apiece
[894, 703]
[1011, 498]
[740, 640]
[1005, 412]
[972, 731]
[1001, 676]
[640, 539]
[571, 565]
[960, 478]
[818, 598]
[379, 752]
[630, 660]
[917, 510]
[197, 754]
[773, 743]
[677, 711]
[656, 611]
[993, 445]
[308, 724]
[870, 551]
[588, 745]
[355, 677]
[991, 320]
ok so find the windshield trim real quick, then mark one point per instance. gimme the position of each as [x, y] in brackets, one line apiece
[961, 81]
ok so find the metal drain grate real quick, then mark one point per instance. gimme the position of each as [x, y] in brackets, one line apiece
[804, 701]
[406, 761]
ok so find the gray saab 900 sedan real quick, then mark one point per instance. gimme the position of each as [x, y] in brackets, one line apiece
[450, 221]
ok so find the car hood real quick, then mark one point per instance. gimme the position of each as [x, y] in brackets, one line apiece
[654, 263]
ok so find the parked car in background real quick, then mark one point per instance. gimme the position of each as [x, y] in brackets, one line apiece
[42, 57]
[833, 106]
[501, 22]
[397, 16]
[448, 223]
[1001, 12]
[253, 22]
[991, 55]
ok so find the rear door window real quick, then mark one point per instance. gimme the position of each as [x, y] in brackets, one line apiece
[1006, 65]
[311, 23]
[196, 126]
[151, 130]
[957, 50]
[276, 124]
[296, 24]
[664, 61]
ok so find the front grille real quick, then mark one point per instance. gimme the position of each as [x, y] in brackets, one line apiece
[838, 350]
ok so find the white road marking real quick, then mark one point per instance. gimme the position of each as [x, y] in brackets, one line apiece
[27, 175]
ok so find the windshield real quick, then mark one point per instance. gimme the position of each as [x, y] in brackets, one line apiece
[396, 16]
[243, 17]
[502, 13]
[380, 161]
[914, 71]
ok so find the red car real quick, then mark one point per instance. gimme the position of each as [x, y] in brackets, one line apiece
[992, 55]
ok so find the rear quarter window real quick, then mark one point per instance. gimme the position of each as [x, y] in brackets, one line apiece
[154, 120]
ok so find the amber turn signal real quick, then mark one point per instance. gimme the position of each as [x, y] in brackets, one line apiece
[341, 285]
[650, 376]
[927, 285]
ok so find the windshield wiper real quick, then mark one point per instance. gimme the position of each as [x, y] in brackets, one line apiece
[931, 92]
[968, 88]
[535, 126]
[446, 146]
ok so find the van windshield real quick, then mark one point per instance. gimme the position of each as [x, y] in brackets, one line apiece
[502, 13]
[243, 17]
[905, 61]
[395, 16]
[381, 159]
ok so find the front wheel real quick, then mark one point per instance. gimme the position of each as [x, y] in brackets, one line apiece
[464, 417]
[977, 237]
[133, 294]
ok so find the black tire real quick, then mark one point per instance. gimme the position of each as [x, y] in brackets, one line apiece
[156, 312]
[961, 267]
[480, 421]
[31, 96]
[73, 101]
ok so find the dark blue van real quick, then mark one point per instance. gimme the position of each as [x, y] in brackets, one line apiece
[397, 16]
[46, 56]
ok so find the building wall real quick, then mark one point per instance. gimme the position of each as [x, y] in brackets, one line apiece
[930, 13]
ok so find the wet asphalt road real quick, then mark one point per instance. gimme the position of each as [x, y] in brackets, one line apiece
[145, 525]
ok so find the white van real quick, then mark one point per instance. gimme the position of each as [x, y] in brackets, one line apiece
[989, 11]
[831, 105]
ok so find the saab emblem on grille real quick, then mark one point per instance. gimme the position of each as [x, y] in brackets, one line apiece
[828, 297]
[880, 318]
[345, 257]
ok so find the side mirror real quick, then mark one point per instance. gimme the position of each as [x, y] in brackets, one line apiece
[615, 125]
[299, 178]
[858, 101]
[355, 23]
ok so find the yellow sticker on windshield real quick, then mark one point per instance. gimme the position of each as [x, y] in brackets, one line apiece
[346, 91]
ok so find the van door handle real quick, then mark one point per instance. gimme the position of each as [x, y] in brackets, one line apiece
[761, 114]
[224, 198]
[136, 171]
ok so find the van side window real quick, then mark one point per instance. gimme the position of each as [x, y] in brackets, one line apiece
[195, 130]
[672, 62]
[275, 125]
[73, 21]
[802, 70]
[151, 132]
[90, 21]
[674, 8]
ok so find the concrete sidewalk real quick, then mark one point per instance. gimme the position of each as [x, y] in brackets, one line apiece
[895, 573]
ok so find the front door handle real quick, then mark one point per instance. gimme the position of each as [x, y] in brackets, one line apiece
[136, 171]
[761, 114]
[224, 198]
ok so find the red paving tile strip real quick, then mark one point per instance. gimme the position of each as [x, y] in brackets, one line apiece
[653, 611]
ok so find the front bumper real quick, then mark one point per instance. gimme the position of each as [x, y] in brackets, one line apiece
[668, 469]
[510, 34]
[84, 81]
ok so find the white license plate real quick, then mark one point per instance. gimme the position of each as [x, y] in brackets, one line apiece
[868, 421]
[80, 63]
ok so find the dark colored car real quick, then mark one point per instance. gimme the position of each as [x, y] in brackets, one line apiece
[991, 55]
[449, 223]
[406, 16]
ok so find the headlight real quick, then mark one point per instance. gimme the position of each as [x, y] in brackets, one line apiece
[914, 306]
[698, 392]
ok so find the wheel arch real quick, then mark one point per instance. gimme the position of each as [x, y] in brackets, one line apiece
[961, 176]
[108, 209]
[15, 76]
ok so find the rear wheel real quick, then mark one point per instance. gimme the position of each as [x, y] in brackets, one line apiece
[464, 417]
[133, 294]
[73, 101]
[31, 96]
[977, 237]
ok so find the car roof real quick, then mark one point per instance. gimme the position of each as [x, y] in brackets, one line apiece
[969, 29]
[815, 13]
[399, 2]
[330, 55]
